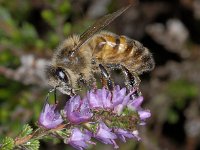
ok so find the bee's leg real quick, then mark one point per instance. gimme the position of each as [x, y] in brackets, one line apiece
[61, 103]
[106, 80]
[132, 81]
[55, 96]
[46, 101]
[47, 97]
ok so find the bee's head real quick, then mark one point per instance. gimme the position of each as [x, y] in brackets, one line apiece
[58, 77]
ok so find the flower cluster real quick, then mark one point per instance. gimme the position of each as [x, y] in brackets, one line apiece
[101, 114]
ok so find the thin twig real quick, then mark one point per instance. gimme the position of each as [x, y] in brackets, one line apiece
[37, 134]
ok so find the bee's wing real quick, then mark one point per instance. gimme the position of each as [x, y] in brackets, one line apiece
[98, 26]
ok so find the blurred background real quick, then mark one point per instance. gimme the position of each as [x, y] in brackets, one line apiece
[30, 30]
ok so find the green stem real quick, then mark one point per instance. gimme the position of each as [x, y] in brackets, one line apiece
[37, 134]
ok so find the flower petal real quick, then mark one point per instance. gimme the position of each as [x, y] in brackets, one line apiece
[118, 95]
[94, 98]
[144, 114]
[136, 103]
[49, 118]
[106, 98]
[122, 134]
[77, 110]
[105, 135]
[78, 139]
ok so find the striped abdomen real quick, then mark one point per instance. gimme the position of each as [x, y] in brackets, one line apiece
[111, 49]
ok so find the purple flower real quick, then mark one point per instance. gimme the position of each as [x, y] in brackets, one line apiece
[123, 134]
[116, 101]
[144, 114]
[124, 101]
[94, 98]
[79, 140]
[50, 118]
[136, 106]
[77, 110]
[118, 95]
[99, 99]
[106, 98]
[121, 111]
[102, 98]
[105, 135]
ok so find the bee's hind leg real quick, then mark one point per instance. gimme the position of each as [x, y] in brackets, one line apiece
[132, 81]
[106, 80]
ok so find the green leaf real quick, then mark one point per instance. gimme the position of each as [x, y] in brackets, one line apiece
[28, 31]
[7, 59]
[7, 144]
[53, 40]
[181, 91]
[49, 16]
[65, 7]
[173, 117]
[7, 22]
[39, 43]
[26, 130]
[32, 145]
[67, 28]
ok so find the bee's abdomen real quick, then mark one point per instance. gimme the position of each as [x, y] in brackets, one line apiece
[110, 49]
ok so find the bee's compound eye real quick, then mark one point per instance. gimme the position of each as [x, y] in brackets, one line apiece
[61, 75]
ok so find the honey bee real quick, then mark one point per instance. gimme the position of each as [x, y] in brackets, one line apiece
[95, 51]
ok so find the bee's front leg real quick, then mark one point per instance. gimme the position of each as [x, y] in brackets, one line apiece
[55, 94]
[132, 81]
[106, 80]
